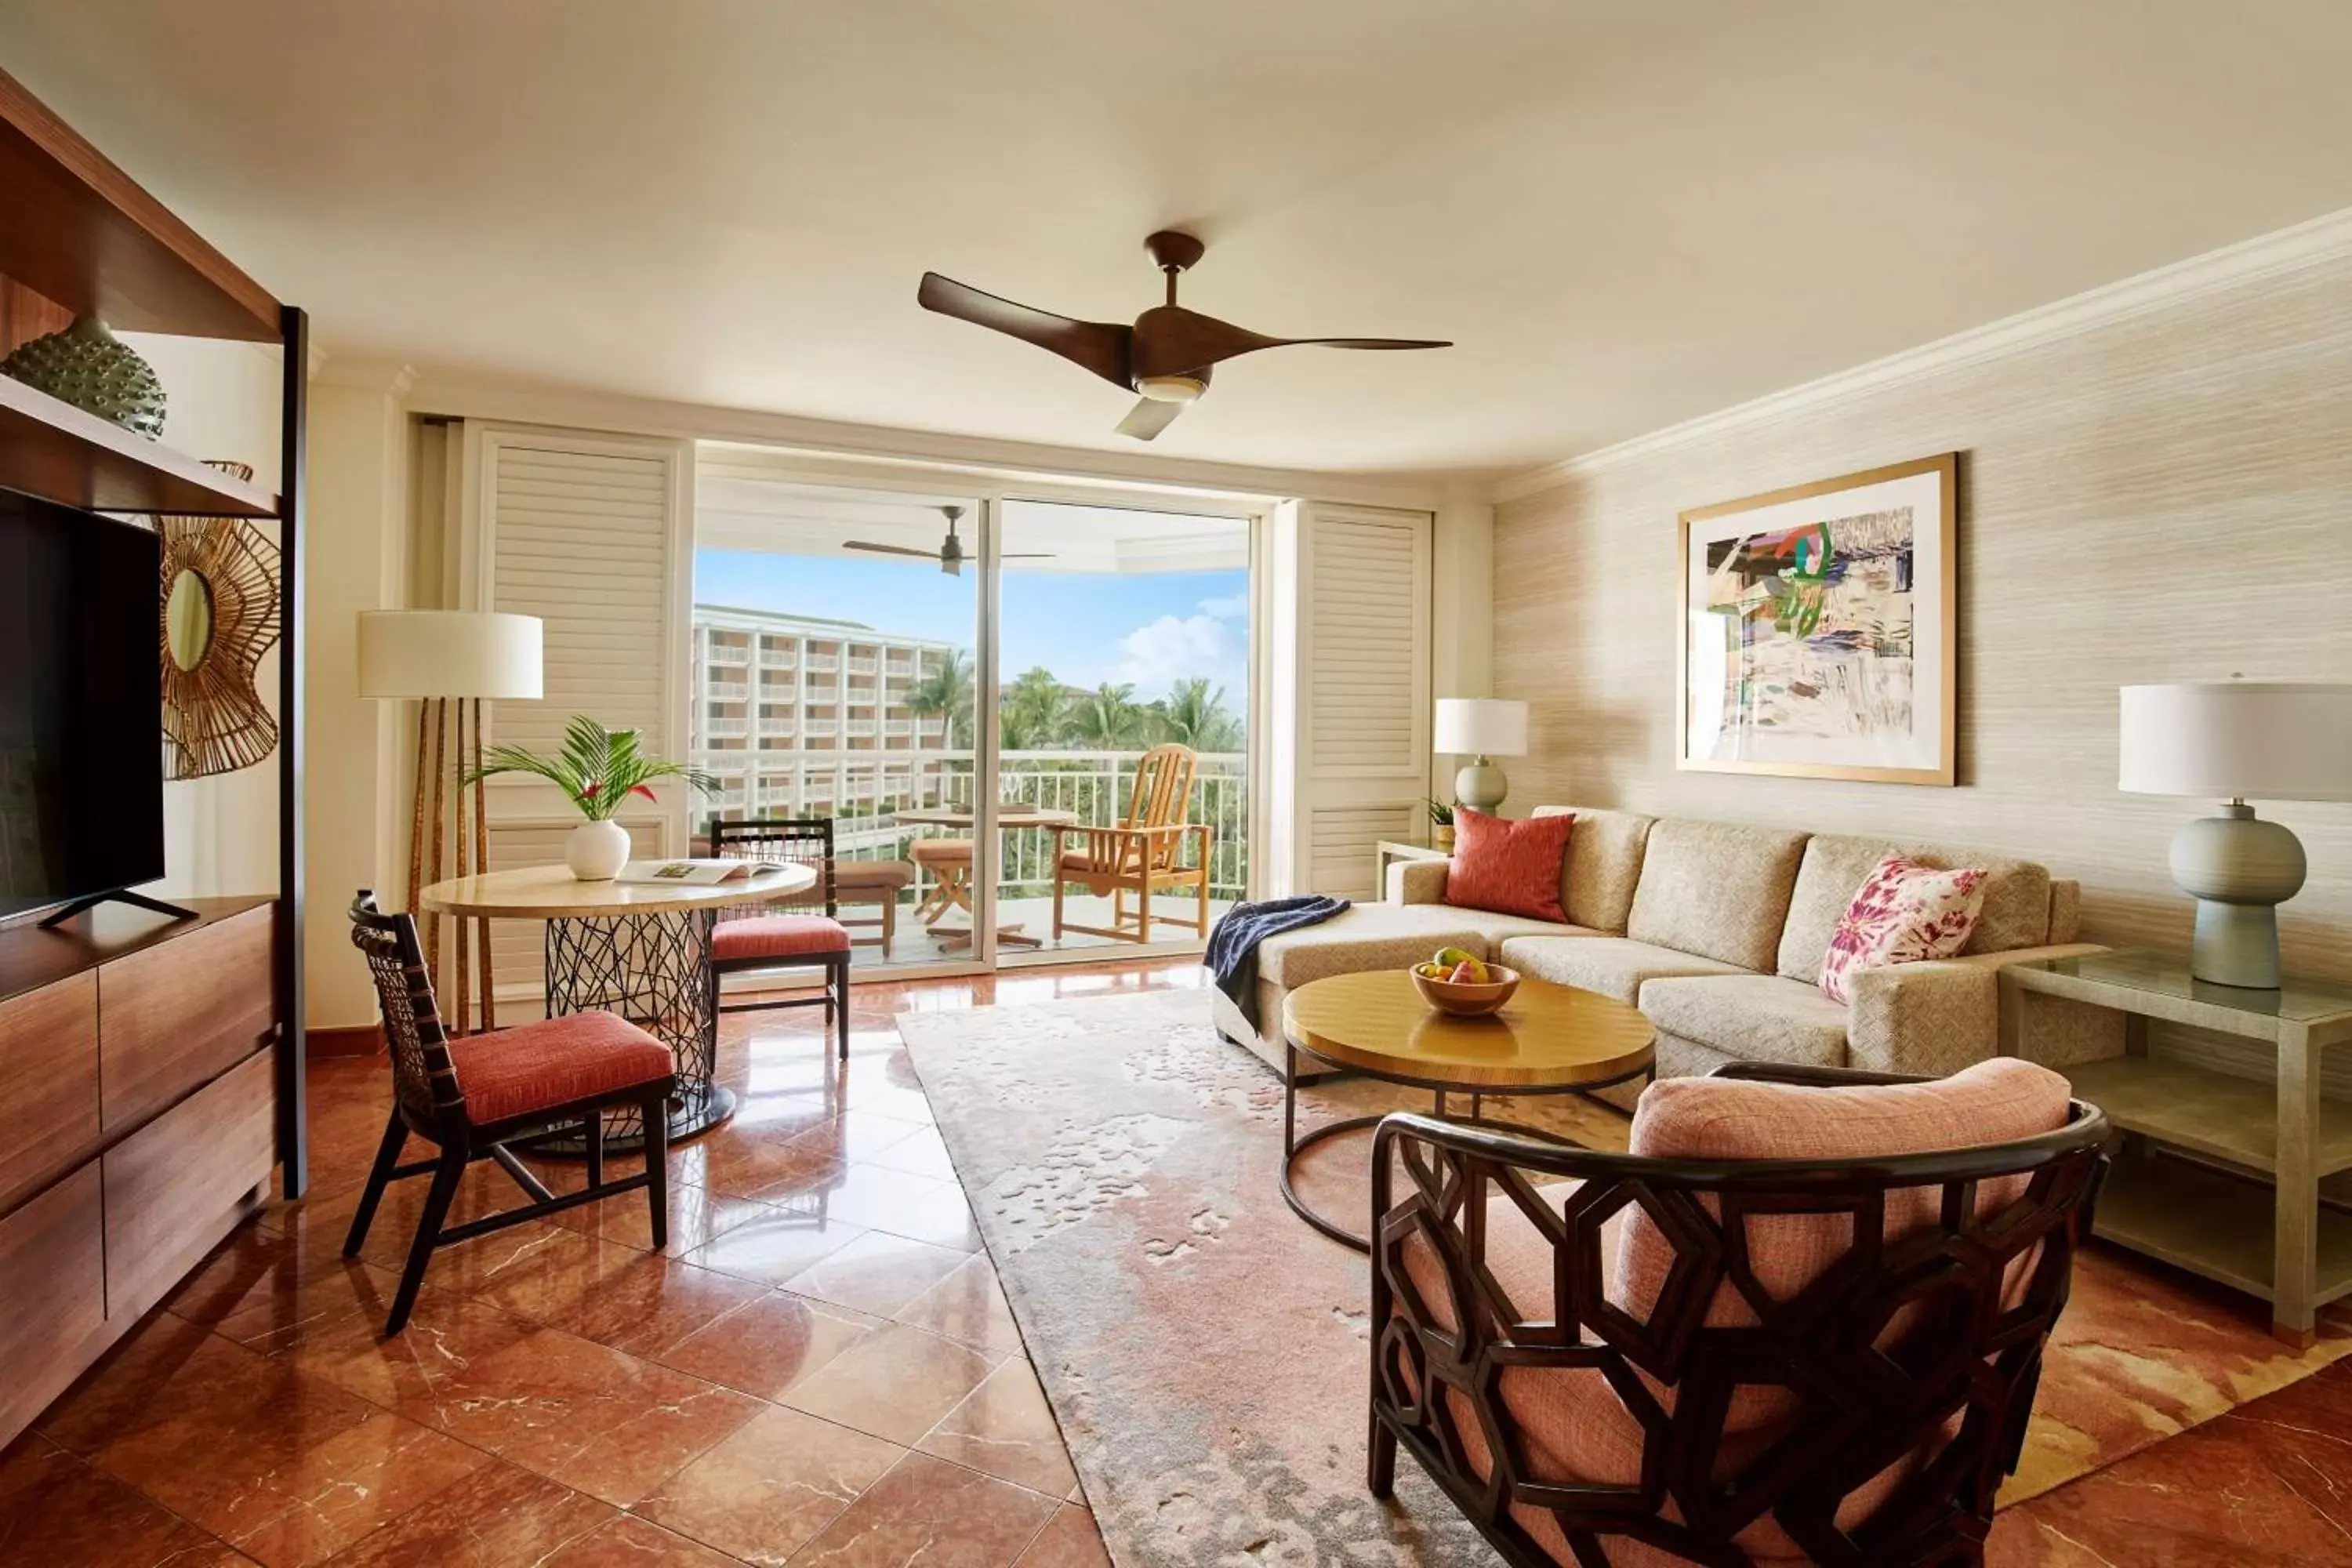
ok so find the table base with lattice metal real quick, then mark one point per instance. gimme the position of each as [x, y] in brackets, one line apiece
[654, 969]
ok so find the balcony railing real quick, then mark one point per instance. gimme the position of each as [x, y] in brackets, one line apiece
[779, 657]
[822, 728]
[727, 729]
[771, 724]
[898, 668]
[726, 691]
[897, 727]
[860, 727]
[824, 663]
[735, 658]
[864, 666]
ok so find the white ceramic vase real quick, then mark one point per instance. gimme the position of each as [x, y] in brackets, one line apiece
[596, 850]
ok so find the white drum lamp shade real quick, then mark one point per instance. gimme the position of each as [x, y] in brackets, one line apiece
[1479, 728]
[448, 653]
[2233, 741]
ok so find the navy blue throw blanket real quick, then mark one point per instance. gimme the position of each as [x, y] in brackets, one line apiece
[1233, 943]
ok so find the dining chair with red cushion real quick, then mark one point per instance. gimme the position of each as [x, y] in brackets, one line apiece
[800, 931]
[475, 1096]
[1800, 1322]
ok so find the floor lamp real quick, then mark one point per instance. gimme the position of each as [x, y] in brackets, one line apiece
[449, 662]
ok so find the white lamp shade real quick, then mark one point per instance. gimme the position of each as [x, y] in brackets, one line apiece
[448, 653]
[1481, 727]
[2230, 739]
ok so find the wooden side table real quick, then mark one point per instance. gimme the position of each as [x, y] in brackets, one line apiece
[2218, 1174]
[1386, 852]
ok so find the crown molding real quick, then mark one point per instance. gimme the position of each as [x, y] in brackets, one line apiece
[2319, 242]
[454, 396]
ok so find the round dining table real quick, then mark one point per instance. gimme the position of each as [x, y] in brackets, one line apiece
[638, 949]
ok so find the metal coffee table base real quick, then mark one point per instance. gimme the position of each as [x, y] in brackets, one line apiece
[1293, 1145]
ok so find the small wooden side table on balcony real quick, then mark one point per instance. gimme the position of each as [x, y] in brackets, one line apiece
[2219, 1174]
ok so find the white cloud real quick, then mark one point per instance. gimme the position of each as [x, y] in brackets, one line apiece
[1155, 656]
[1227, 608]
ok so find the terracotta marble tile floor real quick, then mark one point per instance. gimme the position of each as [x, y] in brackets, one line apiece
[821, 1369]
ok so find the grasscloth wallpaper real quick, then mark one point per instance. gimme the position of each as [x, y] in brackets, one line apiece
[2167, 496]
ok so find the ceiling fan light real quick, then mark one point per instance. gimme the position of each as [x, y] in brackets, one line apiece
[1171, 388]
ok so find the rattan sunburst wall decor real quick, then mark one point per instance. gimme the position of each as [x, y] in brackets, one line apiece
[218, 615]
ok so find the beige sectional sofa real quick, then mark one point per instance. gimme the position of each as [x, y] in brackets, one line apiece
[1717, 932]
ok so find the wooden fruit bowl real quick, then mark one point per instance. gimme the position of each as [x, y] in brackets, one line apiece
[1468, 1001]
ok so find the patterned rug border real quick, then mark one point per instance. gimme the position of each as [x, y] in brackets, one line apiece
[2142, 1354]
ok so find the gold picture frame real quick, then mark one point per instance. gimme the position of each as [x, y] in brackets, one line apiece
[1820, 629]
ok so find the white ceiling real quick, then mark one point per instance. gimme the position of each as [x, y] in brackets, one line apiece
[1626, 212]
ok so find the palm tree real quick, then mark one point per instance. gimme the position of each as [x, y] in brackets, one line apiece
[1111, 720]
[1194, 713]
[1035, 712]
[945, 691]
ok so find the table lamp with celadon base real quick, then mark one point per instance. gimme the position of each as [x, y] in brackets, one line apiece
[2232, 740]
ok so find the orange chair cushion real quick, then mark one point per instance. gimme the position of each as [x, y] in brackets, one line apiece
[535, 1066]
[939, 851]
[778, 936]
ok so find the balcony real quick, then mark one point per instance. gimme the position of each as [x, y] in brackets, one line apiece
[726, 691]
[726, 729]
[779, 658]
[864, 666]
[823, 663]
[821, 728]
[860, 727]
[733, 657]
[898, 669]
[897, 726]
[784, 726]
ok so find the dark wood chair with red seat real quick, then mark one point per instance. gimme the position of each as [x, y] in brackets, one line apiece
[802, 931]
[474, 1096]
[1691, 1353]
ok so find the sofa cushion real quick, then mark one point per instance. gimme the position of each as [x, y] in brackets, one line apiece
[1510, 867]
[2016, 911]
[1612, 965]
[1368, 936]
[1719, 890]
[1756, 1017]
[1604, 865]
[1500, 929]
[1905, 912]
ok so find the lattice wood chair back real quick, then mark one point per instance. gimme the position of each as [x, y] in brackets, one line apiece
[1915, 1359]
[424, 1079]
[1164, 787]
[800, 840]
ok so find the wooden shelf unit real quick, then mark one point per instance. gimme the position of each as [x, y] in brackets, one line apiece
[52, 450]
[154, 1067]
[2214, 1224]
[2213, 1113]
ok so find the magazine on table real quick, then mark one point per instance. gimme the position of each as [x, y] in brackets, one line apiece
[697, 873]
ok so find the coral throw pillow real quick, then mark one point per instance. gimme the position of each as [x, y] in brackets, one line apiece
[1508, 867]
[1906, 913]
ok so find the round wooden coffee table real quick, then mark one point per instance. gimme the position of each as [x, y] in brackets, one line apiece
[1548, 1039]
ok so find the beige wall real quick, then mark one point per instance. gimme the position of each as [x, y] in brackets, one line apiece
[2164, 497]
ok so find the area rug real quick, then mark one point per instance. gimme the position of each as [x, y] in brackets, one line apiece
[1205, 1351]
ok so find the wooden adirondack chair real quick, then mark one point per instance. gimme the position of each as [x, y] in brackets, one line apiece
[1143, 854]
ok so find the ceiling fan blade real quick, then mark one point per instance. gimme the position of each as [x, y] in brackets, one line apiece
[1148, 418]
[1027, 555]
[1099, 346]
[1170, 340]
[890, 550]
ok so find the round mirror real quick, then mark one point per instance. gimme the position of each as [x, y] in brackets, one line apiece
[188, 620]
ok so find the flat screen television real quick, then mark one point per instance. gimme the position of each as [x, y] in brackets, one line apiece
[81, 755]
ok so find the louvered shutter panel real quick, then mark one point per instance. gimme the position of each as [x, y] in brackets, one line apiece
[1361, 716]
[589, 534]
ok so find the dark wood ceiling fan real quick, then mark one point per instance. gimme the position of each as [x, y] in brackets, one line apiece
[1166, 355]
[949, 554]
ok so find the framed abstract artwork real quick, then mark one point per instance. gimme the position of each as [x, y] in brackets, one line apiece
[1820, 634]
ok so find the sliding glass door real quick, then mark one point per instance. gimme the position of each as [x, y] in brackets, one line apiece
[1027, 719]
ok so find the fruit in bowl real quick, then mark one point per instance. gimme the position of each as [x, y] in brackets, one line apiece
[1462, 983]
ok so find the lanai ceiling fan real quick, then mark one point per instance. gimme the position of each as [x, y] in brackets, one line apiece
[1166, 355]
[949, 554]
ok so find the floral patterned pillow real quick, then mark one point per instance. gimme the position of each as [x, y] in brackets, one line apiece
[1907, 911]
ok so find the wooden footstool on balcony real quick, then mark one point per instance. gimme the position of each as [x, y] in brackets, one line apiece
[876, 882]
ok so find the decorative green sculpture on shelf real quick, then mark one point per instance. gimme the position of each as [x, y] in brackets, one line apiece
[88, 366]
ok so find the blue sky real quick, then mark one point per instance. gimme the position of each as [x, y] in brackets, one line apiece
[1148, 629]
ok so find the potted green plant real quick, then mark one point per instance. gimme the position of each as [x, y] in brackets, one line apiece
[598, 770]
[1441, 825]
